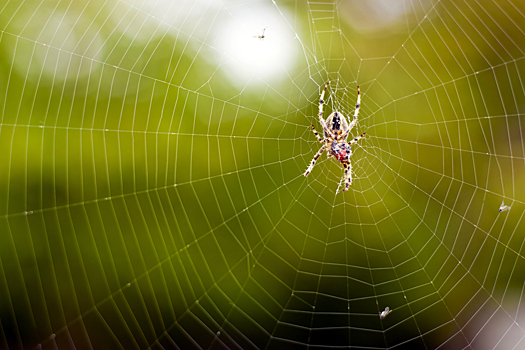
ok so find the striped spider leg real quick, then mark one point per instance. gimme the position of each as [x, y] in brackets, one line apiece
[348, 166]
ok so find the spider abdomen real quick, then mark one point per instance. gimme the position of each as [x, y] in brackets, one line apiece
[341, 151]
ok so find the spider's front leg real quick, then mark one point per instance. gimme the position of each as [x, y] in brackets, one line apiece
[314, 160]
[348, 175]
[357, 108]
[321, 104]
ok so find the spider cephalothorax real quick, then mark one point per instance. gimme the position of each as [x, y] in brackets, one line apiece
[335, 131]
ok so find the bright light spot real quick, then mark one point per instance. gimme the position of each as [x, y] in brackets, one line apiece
[504, 327]
[247, 55]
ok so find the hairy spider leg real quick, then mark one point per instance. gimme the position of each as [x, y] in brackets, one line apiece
[313, 160]
[317, 134]
[357, 107]
[357, 138]
[321, 104]
[348, 176]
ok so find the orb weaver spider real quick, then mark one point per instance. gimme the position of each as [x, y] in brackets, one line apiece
[335, 131]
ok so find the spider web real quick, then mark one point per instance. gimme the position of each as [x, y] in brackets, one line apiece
[151, 181]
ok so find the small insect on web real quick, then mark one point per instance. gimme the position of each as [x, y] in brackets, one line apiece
[262, 36]
[384, 313]
[504, 207]
[335, 132]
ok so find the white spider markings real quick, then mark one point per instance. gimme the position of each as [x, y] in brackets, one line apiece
[335, 132]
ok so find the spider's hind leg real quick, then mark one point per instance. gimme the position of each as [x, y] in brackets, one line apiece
[347, 176]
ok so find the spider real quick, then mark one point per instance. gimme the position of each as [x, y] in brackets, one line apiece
[335, 131]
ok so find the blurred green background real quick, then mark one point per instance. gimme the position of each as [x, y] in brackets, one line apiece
[151, 175]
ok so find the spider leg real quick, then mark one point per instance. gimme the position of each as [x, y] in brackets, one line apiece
[344, 135]
[317, 134]
[314, 160]
[357, 107]
[321, 104]
[348, 175]
[357, 138]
